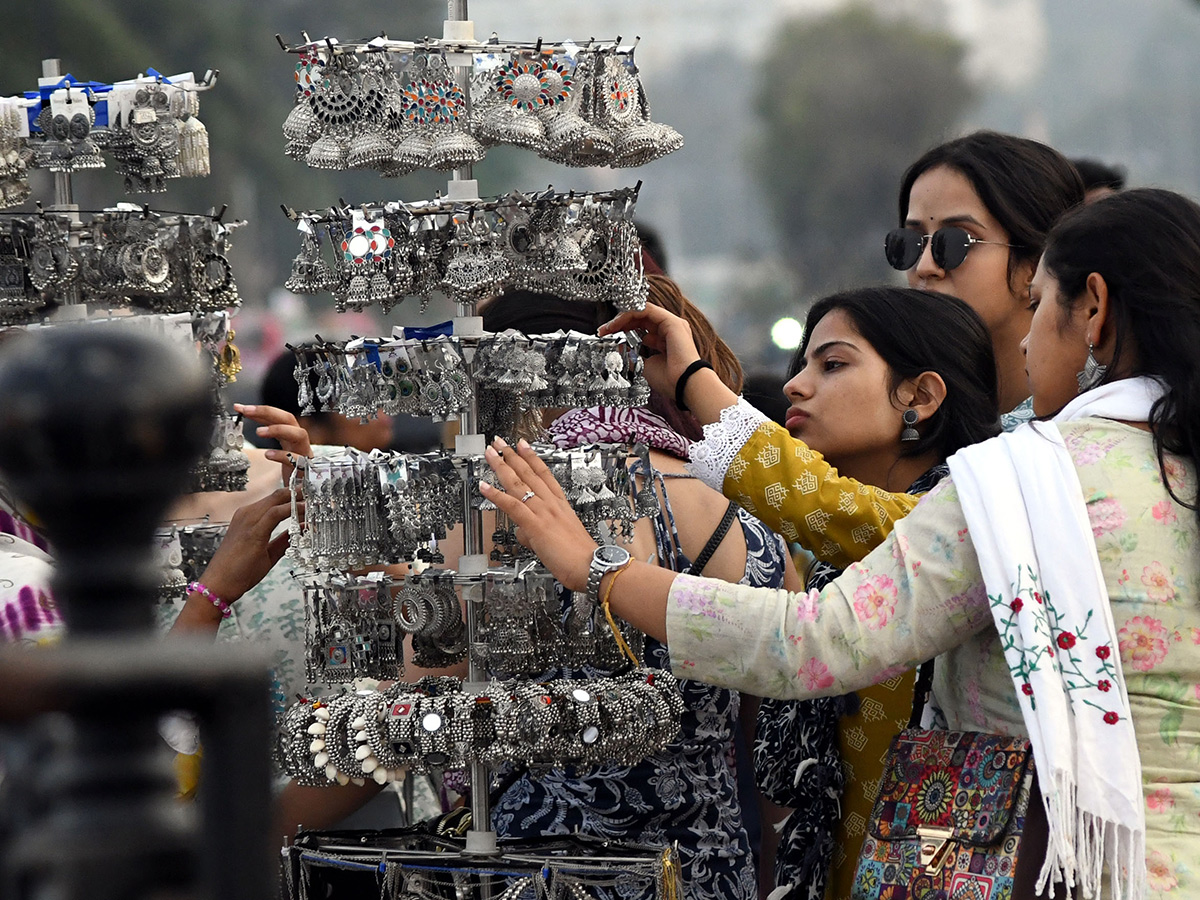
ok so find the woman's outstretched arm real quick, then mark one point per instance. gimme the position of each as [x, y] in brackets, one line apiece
[897, 608]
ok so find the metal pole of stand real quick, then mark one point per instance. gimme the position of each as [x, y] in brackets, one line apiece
[481, 838]
[63, 194]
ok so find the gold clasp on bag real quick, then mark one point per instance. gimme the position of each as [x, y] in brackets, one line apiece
[935, 844]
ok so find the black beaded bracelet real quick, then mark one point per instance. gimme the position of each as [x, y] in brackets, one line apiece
[683, 380]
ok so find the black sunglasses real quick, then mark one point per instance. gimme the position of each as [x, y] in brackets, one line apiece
[949, 245]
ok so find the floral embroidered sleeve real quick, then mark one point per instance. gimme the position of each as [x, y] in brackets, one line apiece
[791, 488]
[895, 609]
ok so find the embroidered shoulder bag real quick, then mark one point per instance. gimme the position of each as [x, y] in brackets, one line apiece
[950, 816]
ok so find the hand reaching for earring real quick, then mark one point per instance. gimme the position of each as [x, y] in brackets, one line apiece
[670, 338]
[536, 504]
[247, 552]
[280, 425]
[669, 335]
[245, 556]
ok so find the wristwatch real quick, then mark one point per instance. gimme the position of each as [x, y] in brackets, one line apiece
[607, 558]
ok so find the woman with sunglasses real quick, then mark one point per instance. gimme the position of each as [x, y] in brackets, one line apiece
[1054, 575]
[974, 214]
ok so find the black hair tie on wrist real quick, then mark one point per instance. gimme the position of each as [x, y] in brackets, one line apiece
[681, 384]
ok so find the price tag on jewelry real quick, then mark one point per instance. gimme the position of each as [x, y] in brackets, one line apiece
[68, 101]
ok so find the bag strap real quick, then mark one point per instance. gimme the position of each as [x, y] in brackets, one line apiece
[921, 692]
[714, 540]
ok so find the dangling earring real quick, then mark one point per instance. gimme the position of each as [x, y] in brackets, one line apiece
[1093, 372]
[910, 419]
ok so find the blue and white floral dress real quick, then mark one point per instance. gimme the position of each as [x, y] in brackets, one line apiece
[687, 793]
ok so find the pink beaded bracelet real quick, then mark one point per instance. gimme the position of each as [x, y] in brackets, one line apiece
[196, 587]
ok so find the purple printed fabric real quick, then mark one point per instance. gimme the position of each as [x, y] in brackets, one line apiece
[607, 424]
[28, 612]
[10, 524]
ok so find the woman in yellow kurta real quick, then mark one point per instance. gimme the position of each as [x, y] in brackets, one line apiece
[868, 355]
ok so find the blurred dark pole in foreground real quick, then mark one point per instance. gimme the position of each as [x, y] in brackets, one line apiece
[98, 430]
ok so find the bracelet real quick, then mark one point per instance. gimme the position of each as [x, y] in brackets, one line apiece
[196, 587]
[616, 632]
[683, 380]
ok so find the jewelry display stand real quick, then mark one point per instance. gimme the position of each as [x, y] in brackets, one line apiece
[102, 423]
[60, 264]
[354, 111]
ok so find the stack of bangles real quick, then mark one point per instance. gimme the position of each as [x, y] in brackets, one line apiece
[436, 723]
[195, 587]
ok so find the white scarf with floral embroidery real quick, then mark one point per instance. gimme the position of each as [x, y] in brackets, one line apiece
[1029, 525]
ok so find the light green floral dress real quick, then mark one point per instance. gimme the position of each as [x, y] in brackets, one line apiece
[921, 593]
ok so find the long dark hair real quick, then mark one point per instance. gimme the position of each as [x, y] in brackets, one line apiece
[923, 331]
[1024, 184]
[1145, 243]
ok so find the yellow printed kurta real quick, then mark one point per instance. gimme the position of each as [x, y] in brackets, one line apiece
[791, 488]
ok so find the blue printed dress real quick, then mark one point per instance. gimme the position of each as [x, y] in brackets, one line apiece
[685, 794]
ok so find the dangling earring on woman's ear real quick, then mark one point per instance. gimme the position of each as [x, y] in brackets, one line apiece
[910, 419]
[1093, 372]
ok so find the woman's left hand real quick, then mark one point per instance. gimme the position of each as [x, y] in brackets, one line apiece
[536, 504]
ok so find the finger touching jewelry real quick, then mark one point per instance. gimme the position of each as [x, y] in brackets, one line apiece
[538, 469]
[522, 464]
[527, 495]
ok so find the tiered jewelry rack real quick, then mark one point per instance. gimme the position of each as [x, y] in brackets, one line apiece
[61, 264]
[353, 110]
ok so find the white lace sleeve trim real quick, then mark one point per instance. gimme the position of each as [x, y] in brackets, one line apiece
[722, 441]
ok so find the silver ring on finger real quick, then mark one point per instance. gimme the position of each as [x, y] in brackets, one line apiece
[525, 497]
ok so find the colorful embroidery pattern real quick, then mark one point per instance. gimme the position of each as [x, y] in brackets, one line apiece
[975, 784]
[1081, 665]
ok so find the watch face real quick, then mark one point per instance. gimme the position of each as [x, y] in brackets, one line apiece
[612, 555]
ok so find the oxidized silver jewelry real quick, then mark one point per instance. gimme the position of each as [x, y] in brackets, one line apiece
[1093, 372]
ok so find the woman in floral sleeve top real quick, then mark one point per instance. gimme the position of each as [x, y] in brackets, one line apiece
[1119, 286]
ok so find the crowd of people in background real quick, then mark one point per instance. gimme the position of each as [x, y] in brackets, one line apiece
[1029, 403]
